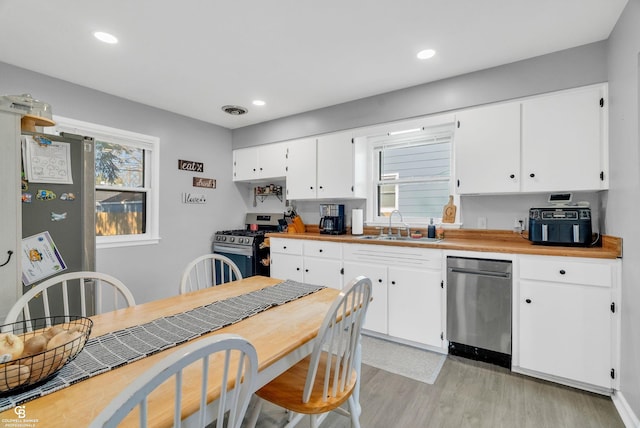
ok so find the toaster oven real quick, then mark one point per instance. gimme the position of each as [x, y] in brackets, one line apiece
[560, 226]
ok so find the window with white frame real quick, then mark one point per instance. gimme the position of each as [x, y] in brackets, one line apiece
[126, 183]
[412, 174]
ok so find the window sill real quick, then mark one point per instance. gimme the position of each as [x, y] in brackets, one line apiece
[126, 243]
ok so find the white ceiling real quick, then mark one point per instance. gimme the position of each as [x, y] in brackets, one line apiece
[193, 56]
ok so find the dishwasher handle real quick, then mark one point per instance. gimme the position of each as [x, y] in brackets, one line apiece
[480, 272]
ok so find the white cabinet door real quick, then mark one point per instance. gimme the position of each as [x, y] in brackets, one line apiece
[272, 160]
[320, 271]
[563, 140]
[335, 166]
[565, 330]
[287, 266]
[487, 149]
[260, 163]
[377, 315]
[245, 164]
[301, 169]
[415, 301]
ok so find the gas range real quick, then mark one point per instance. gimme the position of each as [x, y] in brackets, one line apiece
[245, 246]
[239, 236]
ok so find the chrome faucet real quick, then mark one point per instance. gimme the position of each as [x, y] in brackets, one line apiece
[401, 220]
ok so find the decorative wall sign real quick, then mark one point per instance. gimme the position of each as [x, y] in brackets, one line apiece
[208, 183]
[192, 166]
[191, 198]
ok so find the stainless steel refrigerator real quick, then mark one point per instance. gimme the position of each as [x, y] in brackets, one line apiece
[68, 217]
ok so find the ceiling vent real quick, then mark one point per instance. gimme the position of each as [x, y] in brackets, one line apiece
[234, 110]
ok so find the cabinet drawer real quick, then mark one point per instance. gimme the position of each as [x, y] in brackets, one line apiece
[394, 256]
[329, 250]
[286, 246]
[591, 272]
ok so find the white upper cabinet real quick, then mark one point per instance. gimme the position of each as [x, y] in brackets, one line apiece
[563, 139]
[301, 169]
[260, 163]
[555, 142]
[326, 168]
[335, 166]
[487, 149]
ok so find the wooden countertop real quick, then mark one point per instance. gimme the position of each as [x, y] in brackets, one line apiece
[496, 241]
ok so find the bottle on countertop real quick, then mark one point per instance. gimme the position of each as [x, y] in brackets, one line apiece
[439, 232]
[431, 229]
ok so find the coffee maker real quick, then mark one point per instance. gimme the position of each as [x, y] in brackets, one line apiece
[332, 219]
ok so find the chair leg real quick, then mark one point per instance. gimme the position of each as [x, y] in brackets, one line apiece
[355, 416]
[255, 413]
[294, 419]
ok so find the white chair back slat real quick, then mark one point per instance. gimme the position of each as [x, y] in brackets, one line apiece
[234, 400]
[83, 305]
[67, 284]
[208, 270]
[338, 338]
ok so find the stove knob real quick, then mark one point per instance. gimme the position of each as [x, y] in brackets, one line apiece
[231, 239]
[224, 238]
[240, 240]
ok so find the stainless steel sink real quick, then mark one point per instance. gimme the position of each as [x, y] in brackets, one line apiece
[399, 238]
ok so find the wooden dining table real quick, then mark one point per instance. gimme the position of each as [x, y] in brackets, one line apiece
[282, 336]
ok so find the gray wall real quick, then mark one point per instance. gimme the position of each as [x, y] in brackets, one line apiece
[152, 271]
[579, 66]
[624, 197]
[570, 68]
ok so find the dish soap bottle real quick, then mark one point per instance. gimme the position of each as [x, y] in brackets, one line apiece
[431, 229]
[439, 232]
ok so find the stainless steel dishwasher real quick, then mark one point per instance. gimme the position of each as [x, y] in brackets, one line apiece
[479, 309]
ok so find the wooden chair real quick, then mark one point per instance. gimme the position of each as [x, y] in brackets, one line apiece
[62, 292]
[327, 378]
[207, 271]
[239, 363]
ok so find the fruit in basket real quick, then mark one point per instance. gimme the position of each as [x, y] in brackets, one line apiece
[13, 375]
[11, 347]
[63, 345]
[34, 345]
[52, 331]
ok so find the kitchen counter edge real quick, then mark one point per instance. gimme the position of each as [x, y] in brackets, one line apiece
[496, 241]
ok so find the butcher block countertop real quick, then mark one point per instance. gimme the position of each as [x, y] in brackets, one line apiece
[495, 241]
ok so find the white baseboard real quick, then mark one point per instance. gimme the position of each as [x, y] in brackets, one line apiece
[629, 418]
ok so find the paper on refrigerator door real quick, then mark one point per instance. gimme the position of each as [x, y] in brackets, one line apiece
[40, 258]
[46, 163]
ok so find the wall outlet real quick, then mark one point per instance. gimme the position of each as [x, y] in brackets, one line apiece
[482, 222]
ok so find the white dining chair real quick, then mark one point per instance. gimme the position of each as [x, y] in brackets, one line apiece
[207, 271]
[55, 296]
[327, 378]
[239, 362]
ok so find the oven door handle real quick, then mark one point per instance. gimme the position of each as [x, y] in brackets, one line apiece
[248, 252]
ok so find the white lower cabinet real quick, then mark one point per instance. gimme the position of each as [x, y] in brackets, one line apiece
[415, 302]
[313, 262]
[378, 312]
[286, 259]
[567, 318]
[407, 290]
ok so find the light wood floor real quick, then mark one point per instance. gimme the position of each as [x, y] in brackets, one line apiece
[467, 394]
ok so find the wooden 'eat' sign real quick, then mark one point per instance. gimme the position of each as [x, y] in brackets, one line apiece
[190, 166]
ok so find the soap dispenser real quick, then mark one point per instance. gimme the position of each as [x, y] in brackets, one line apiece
[431, 229]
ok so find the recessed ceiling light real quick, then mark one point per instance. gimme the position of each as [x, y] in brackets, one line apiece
[105, 37]
[426, 54]
[258, 103]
